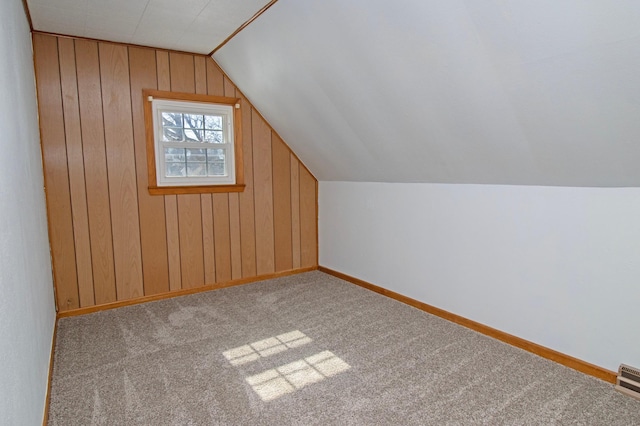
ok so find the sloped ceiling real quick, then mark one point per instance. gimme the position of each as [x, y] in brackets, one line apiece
[534, 92]
[196, 26]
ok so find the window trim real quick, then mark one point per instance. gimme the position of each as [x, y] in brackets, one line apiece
[227, 144]
[154, 189]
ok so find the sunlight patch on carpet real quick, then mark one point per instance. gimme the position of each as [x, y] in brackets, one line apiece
[274, 383]
[266, 347]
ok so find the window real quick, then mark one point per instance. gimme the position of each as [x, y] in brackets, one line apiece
[193, 143]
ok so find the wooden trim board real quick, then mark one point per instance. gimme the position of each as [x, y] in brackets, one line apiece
[27, 13]
[243, 26]
[148, 96]
[184, 292]
[560, 358]
[47, 397]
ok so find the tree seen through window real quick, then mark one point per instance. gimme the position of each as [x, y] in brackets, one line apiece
[193, 128]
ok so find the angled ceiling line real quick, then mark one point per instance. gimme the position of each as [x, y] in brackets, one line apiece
[120, 43]
[243, 26]
[140, 20]
[28, 13]
[254, 109]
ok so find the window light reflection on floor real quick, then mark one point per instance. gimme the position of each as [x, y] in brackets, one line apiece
[266, 347]
[288, 378]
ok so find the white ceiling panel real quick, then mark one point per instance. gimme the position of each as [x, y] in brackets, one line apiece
[531, 92]
[196, 26]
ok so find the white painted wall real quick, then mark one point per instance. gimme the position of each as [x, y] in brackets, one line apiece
[554, 265]
[27, 313]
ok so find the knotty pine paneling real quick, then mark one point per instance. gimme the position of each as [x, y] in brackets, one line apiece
[111, 240]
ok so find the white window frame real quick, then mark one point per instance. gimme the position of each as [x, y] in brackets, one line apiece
[226, 111]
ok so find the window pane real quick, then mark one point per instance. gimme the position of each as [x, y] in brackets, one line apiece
[213, 136]
[194, 154]
[171, 119]
[196, 169]
[216, 162]
[193, 135]
[174, 155]
[192, 142]
[193, 121]
[172, 134]
[213, 122]
[175, 170]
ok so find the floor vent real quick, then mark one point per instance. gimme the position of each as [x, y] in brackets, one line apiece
[628, 381]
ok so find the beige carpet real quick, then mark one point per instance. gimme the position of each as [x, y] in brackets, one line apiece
[308, 349]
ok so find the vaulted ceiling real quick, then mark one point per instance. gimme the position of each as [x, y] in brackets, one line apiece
[531, 92]
[536, 92]
[196, 26]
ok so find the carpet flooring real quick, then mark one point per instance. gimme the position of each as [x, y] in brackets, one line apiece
[308, 349]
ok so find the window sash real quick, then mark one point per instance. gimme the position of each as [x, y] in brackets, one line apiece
[226, 111]
[196, 145]
[184, 128]
[181, 145]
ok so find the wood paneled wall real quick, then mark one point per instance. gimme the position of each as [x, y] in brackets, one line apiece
[112, 241]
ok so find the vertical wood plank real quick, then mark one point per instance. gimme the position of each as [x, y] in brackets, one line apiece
[282, 204]
[200, 72]
[55, 171]
[153, 231]
[162, 70]
[208, 245]
[295, 210]
[263, 195]
[173, 242]
[191, 259]
[246, 198]
[208, 242]
[222, 237]
[95, 160]
[234, 211]
[123, 196]
[182, 73]
[308, 219]
[75, 162]
[215, 78]
[234, 235]
[170, 201]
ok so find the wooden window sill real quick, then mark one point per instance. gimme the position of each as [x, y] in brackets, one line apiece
[171, 190]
